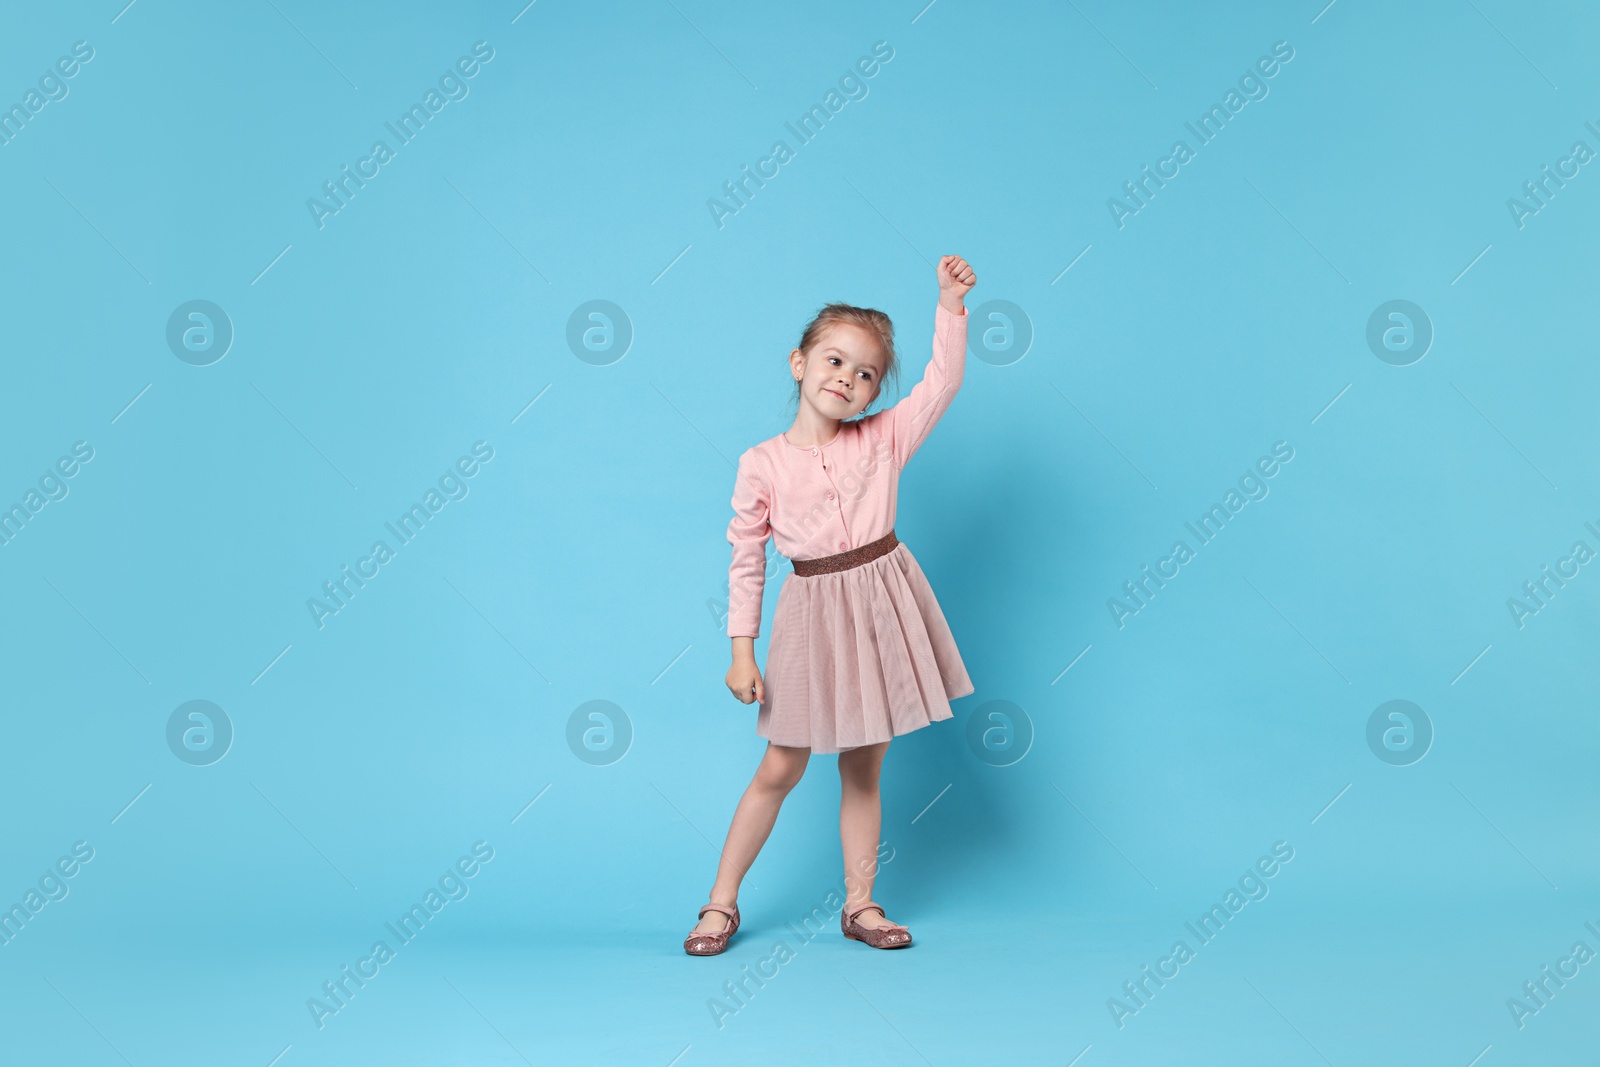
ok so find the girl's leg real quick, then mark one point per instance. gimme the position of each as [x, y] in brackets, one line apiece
[860, 819]
[779, 771]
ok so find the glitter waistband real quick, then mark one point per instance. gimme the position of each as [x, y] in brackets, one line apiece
[843, 561]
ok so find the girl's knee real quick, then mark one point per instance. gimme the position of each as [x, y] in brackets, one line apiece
[862, 764]
[782, 768]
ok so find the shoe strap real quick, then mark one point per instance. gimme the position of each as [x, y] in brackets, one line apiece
[851, 911]
[730, 911]
[850, 915]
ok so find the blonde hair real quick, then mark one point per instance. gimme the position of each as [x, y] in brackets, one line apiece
[870, 319]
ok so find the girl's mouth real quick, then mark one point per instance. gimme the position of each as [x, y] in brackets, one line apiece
[841, 396]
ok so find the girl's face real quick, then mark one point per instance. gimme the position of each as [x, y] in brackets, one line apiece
[839, 377]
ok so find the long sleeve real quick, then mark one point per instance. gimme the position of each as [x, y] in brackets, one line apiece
[907, 424]
[747, 533]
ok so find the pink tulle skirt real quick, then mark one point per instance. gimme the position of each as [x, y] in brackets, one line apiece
[858, 656]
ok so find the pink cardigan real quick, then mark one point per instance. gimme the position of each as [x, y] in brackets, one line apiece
[821, 501]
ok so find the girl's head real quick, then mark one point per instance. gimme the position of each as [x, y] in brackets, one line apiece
[845, 354]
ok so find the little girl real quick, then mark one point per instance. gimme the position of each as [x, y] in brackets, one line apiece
[860, 650]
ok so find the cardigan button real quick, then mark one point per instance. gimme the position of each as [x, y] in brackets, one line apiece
[830, 494]
[843, 545]
[813, 451]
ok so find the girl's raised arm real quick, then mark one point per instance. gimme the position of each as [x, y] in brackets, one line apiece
[906, 425]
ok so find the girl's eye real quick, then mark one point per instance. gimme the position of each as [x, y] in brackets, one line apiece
[834, 360]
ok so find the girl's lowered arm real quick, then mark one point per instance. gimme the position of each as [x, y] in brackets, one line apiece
[748, 532]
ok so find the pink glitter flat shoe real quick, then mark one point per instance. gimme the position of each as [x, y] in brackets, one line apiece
[711, 944]
[894, 936]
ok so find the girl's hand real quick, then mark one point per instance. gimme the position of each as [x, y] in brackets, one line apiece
[744, 677]
[955, 281]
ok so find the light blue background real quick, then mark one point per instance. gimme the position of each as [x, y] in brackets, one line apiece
[588, 558]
